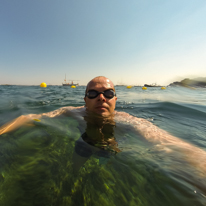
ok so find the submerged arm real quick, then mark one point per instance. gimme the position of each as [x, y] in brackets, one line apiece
[28, 119]
[164, 141]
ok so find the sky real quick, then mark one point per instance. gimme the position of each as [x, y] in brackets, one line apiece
[132, 42]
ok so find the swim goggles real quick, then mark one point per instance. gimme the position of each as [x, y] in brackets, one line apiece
[109, 94]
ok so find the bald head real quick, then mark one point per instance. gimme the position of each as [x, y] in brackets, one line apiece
[100, 80]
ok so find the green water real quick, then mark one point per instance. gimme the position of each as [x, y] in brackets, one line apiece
[37, 169]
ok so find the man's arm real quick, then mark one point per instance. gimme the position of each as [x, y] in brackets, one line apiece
[28, 119]
[164, 141]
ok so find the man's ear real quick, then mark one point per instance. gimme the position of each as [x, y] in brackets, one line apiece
[85, 99]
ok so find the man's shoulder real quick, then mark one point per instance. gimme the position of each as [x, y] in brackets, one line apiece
[71, 108]
[123, 114]
[68, 110]
[74, 110]
[126, 117]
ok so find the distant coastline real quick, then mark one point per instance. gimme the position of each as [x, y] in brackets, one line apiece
[191, 83]
[199, 82]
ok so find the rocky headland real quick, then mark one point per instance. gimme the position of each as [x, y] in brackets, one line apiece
[192, 83]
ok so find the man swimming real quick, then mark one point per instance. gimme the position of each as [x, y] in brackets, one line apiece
[100, 100]
[99, 112]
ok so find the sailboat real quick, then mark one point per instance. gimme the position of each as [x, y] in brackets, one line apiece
[70, 83]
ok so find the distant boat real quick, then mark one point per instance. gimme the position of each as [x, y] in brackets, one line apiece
[70, 83]
[151, 85]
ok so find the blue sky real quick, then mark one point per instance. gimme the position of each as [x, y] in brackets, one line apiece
[130, 42]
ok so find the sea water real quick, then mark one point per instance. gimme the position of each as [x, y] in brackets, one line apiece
[36, 162]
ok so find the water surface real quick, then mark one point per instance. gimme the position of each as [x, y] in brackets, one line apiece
[36, 162]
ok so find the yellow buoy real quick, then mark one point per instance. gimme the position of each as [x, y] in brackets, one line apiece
[129, 87]
[37, 120]
[144, 88]
[163, 87]
[73, 86]
[43, 84]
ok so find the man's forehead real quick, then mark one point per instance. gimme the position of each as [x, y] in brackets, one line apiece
[100, 83]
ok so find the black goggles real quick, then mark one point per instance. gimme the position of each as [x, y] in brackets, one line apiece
[109, 94]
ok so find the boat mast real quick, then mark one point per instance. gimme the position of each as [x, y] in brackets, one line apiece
[65, 79]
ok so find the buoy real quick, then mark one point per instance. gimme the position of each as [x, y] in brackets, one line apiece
[73, 86]
[43, 84]
[163, 87]
[37, 120]
[144, 88]
[129, 87]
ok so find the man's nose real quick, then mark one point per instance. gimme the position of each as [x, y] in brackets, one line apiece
[101, 97]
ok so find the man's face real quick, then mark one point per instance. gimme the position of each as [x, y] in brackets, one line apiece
[100, 105]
